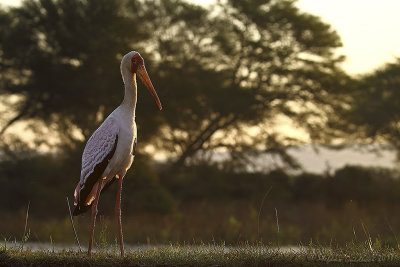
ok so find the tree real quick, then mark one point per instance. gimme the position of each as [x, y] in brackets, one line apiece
[224, 75]
[60, 57]
[374, 113]
[227, 74]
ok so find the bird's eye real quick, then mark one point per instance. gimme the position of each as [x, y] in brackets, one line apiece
[137, 60]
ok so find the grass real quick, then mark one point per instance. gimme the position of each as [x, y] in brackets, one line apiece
[369, 252]
[207, 255]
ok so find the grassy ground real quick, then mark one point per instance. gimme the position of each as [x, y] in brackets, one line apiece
[364, 250]
[213, 255]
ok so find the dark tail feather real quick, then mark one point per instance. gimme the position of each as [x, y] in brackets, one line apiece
[80, 209]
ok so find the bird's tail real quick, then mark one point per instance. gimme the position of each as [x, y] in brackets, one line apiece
[79, 207]
[84, 198]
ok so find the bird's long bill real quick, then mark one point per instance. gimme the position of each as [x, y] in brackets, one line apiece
[144, 77]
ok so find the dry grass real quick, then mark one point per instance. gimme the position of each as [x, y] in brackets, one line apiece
[207, 255]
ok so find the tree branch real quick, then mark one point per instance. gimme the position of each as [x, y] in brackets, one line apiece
[204, 136]
[19, 116]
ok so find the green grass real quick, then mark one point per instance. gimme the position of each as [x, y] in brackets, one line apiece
[212, 255]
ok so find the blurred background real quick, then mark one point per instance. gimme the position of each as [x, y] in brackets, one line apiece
[280, 119]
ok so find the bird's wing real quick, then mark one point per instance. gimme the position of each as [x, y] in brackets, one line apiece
[98, 147]
[98, 151]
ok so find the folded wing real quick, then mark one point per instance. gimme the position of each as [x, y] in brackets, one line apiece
[98, 151]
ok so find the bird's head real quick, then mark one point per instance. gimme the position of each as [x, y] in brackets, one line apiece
[135, 63]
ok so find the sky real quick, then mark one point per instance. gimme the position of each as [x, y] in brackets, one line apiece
[369, 29]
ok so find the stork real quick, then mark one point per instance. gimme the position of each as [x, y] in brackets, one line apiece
[110, 151]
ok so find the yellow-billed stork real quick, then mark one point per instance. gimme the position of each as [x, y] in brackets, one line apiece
[110, 151]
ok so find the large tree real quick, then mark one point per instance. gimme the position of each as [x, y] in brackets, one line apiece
[229, 73]
[223, 75]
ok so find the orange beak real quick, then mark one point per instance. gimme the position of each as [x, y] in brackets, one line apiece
[144, 77]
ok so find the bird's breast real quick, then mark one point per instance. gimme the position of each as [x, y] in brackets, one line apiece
[123, 158]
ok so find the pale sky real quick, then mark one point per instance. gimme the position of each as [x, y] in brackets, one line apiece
[369, 29]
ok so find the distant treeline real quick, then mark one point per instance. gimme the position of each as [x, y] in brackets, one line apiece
[348, 184]
[46, 180]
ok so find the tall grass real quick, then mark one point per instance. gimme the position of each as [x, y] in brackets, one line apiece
[232, 223]
[27, 231]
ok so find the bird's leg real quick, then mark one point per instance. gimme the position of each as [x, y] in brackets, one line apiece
[94, 213]
[118, 215]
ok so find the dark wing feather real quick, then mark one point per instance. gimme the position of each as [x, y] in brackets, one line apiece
[91, 181]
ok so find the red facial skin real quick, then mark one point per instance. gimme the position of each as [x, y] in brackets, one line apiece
[136, 61]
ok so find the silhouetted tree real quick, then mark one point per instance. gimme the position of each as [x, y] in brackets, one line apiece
[224, 75]
[61, 58]
[227, 75]
[374, 114]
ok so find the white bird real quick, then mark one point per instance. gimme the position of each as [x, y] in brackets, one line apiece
[110, 151]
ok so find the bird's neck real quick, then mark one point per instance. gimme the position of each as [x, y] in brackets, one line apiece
[130, 97]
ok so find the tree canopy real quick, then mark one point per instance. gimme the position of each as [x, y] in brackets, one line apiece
[375, 106]
[224, 74]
